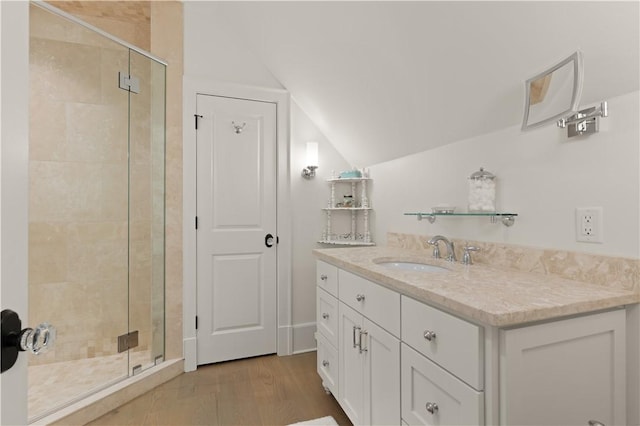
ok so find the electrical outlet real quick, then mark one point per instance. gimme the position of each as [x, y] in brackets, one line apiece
[589, 224]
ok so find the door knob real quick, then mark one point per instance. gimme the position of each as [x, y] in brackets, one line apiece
[15, 339]
[268, 240]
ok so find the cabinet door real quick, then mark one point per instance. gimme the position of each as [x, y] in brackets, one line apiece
[350, 395]
[565, 372]
[327, 277]
[432, 396]
[327, 316]
[381, 376]
[327, 364]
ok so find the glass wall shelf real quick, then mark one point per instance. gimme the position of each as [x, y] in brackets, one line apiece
[507, 219]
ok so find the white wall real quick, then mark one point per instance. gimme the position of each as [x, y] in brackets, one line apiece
[308, 197]
[542, 176]
[212, 51]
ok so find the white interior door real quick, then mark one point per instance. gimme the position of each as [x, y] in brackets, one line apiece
[14, 154]
[236, 211]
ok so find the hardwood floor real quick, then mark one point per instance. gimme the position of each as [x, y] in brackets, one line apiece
[268, 390]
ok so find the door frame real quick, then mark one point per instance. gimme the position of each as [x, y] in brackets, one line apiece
[14, 202]
[192, 87]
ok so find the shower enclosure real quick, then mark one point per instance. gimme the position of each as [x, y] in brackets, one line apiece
[96, 208]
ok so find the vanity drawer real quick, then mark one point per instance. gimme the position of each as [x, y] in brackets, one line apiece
[453, 343]
[327, 364]
[327, 277]
[327, 316]
[375, 302]
[426, 386]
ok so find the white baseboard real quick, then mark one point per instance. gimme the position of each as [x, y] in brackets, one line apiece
[304, 339]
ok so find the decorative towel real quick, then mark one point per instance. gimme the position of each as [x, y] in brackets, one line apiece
[324, 421]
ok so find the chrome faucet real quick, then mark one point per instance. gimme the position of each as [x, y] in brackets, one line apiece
[451, 254]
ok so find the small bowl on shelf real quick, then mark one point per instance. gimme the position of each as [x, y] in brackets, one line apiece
[443, 209]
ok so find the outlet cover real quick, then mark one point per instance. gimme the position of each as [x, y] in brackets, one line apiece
[589, 224]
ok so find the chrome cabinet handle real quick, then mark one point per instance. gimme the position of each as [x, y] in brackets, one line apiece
[323, 277]
[325, 363]
[355, 345]
[360, 297]
[432, 407]
[595, 423]
[325, 316]
[430, 335]
[360, 348]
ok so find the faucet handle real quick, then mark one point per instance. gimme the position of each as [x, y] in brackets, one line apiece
[466, 256]
[436, 249]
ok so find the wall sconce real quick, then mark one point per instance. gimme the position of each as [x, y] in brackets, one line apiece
[312, 160]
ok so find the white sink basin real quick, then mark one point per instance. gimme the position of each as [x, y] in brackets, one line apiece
[413, 266]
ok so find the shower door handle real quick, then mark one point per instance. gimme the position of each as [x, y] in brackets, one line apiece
[15, 339]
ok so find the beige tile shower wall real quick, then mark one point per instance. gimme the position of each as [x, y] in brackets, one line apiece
[65, 126]
[166, 42]
[157, 27]
[616, 272]
[127, 20]
[78, 190]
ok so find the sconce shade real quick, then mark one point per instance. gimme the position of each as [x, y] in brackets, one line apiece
[312, 160]
[312, 154]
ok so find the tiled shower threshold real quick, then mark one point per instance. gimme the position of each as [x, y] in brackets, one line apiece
[100, 397]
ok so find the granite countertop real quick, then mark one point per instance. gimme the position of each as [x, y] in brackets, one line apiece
[497, 297]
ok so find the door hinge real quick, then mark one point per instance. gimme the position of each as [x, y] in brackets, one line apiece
[196, 116]
[128, 82]
[196, 222]
[127, 341]
[196, 322]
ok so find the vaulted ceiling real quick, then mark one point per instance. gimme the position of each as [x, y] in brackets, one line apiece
[388, 79]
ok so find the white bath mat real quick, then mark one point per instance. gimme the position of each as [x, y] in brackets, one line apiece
[324, 421]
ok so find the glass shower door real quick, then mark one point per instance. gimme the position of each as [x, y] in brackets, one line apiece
[96, 210]
[146, 213]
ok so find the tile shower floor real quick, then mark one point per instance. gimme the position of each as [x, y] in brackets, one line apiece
[54, 385]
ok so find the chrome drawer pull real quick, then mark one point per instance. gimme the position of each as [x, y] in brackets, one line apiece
[325, 316]
[361, 349]
[432, 407]
[430, 335]
[323, 277]
[325, 363]
[595, 423]
[360, 297]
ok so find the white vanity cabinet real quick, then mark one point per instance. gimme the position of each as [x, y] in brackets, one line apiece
[432, 396]
[390, 359]
[370, 365]
[442, 367]
[369, 351]
[327, 325]
[566, 372]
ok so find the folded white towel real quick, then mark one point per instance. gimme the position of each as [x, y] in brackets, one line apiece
[324, 421]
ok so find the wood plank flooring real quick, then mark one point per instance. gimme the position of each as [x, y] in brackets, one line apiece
[268, 390]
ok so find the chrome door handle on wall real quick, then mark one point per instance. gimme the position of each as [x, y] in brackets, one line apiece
[16, 340]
